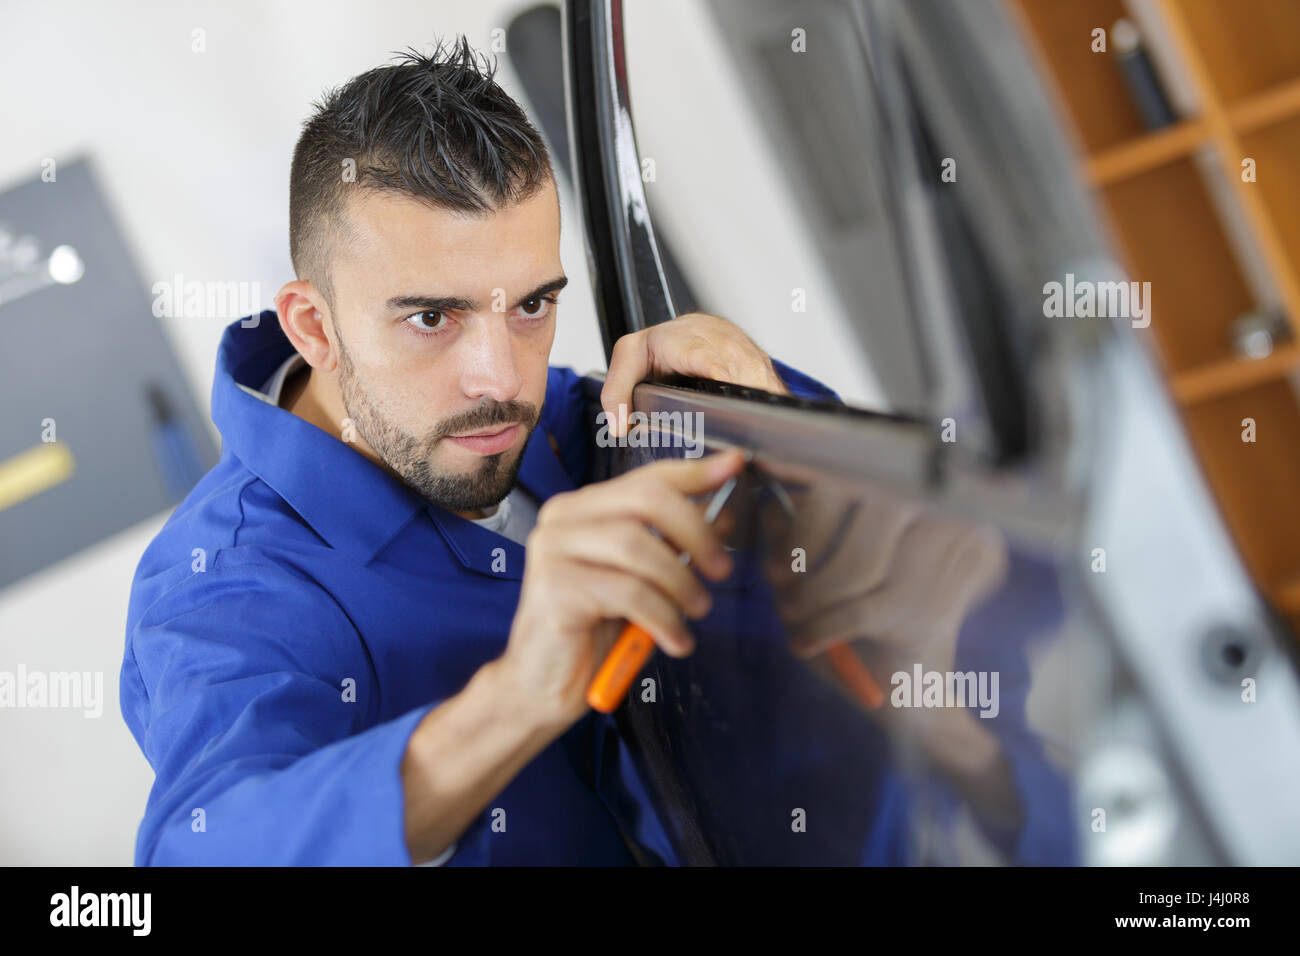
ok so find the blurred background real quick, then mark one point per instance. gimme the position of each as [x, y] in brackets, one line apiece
[170, 128]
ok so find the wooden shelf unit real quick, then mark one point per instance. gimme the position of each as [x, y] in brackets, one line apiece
[1163, 193]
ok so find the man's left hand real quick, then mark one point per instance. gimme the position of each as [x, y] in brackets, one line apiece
[696, 344]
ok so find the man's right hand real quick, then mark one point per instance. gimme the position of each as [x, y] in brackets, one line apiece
[593, 563]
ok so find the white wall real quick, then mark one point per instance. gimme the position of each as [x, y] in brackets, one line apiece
[194, 151]
[720, 199]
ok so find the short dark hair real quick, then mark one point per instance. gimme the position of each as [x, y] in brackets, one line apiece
[437, 128]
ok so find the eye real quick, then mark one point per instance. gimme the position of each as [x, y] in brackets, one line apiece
[427, 321]
[536, 308]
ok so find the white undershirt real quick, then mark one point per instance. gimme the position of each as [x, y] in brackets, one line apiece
[513, 517]
[271, 390]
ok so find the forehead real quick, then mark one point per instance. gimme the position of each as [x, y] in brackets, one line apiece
[395, 244]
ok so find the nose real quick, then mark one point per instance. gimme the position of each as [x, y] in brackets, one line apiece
[489, 360]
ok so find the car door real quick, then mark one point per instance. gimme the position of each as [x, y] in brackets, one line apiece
[984, 610]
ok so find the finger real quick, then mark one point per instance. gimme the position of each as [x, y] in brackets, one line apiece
[693, 476]
[672, 515]
[700, 357]
[627, 546]
[604, 636]
[813, 636]
[625, 596]
[685, 476]
[656, 496]
[629, 364]
[711, 347]
[724, 524]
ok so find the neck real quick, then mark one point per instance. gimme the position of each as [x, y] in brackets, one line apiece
[315, 398]
[300, 397]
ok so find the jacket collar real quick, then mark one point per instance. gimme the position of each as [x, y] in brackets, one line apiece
[348, 500]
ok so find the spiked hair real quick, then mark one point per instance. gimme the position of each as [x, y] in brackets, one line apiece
[437, 128]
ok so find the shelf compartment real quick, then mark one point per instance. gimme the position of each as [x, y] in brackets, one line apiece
[1254, 483]
[1286, 594]
[1247, 46]
[1171, 236]
[1274, 150]
[1091, 84]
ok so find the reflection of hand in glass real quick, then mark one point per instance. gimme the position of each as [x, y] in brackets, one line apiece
[894, 577]
[885, 585]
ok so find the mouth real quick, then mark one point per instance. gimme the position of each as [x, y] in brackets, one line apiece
[488, 442]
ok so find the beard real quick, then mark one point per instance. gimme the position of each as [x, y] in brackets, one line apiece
[409, 455]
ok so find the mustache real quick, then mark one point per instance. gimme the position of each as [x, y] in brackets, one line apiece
[488, 415]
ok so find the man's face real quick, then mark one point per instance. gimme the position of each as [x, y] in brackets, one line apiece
[444, 332]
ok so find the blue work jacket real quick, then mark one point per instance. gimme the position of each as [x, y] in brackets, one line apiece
[302, 610]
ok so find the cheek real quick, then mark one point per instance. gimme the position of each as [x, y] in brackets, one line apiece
[429, 398]
[535, 358]
[540, 342]
[414, 399]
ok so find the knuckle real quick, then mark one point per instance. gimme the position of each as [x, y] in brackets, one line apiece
[626, 343]
[652, 493]
[534, 541]
[628, 539]
[657, 486]
[638, 594]
[550, 509]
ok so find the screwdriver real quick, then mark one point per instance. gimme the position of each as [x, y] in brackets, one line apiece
[634, 646]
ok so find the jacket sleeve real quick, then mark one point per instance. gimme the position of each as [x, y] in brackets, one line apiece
[236, 686]
[996, 638]
[1045, 834]
[804, 386]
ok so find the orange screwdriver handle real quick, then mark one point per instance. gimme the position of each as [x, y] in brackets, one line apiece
[635, 645]
[622, 664]
[854, 673]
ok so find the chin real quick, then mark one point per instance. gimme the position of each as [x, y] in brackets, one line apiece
[471, 482]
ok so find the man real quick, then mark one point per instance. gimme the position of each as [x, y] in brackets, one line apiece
[335, 651]
[322, 663]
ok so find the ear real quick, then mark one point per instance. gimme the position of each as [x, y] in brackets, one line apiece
[303, 315]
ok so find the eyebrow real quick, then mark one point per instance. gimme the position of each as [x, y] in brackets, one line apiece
[451, 303]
